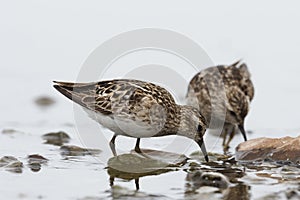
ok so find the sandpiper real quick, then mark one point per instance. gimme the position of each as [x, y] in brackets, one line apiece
[205, 89]
[136, 109]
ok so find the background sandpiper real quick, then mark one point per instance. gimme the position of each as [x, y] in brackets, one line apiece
[136, 109]
[206, 87]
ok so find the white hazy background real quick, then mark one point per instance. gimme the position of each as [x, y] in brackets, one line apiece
[42, 40]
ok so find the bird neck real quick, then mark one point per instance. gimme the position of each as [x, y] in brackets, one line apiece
[185, 123]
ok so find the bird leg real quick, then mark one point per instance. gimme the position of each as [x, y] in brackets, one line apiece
[137, 146]
[111, 181]
[232, 133]
[138, 150]
[137, 184]
[225, 132]
[229, 130]
[112, 145]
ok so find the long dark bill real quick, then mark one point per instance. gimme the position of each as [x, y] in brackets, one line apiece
[242, 129]
[203, 149]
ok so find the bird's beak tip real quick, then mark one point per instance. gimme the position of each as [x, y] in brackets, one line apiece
[242, 129]
[203, 149]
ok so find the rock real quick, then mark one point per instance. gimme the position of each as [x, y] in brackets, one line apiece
[131, 166]
[72, 150]
[11, 164]
[286, 149]
[35, 162]
[37, 158]
[206, 185]
[151, 162]
[214, 185]
[286, 173]
[9, 131]
[224, 164]
[44, 101]
[239, 191]
[199, 179]
[5, 160]
[56, 138]
[172, 159]
[197, 155]
[35, 167]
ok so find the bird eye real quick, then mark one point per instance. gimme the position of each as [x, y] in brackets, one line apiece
[199, 128]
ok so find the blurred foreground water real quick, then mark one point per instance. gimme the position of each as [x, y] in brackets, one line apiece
[57, 165]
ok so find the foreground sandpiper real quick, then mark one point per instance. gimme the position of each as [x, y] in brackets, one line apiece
[136, 109]
[206, 87]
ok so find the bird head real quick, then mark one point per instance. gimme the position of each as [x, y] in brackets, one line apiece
[193, 125]
[237, 107]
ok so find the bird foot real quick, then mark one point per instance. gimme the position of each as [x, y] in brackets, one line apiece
[226, 148]
[138, 150]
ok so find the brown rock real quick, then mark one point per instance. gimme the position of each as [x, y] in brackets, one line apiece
[44, 101]
[56, 138]
[11, 164]
[72, 150]
[35, 162]
[275, 149]
[290, 150]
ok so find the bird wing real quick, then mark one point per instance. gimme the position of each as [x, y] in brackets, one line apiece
[84, 94]
[120, 96]
[246, 84]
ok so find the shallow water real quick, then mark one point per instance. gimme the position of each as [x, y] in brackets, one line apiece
[85, 176]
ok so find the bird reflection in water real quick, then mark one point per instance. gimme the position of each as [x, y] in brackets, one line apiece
[134, 166]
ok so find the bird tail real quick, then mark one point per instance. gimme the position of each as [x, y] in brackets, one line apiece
[75, 91]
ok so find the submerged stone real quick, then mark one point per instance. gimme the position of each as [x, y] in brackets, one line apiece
[131, 166]
[35, 162]
[72, 150]
[239, 191]
[197, 155]
[37, 158]
[286, 149]
[199, 179]
[44, 101]
[11, 164]
[5, 160]
[56, 138]
[151, 162]
[172, 159]
[10, 131]
[148, 161]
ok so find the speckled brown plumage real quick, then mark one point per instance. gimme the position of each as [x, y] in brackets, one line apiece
[136, 109]
[223, 92]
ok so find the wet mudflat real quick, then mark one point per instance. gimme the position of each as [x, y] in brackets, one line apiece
[37, 163]
[44, 157]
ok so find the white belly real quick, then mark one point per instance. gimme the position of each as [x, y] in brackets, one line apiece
[126, 127]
